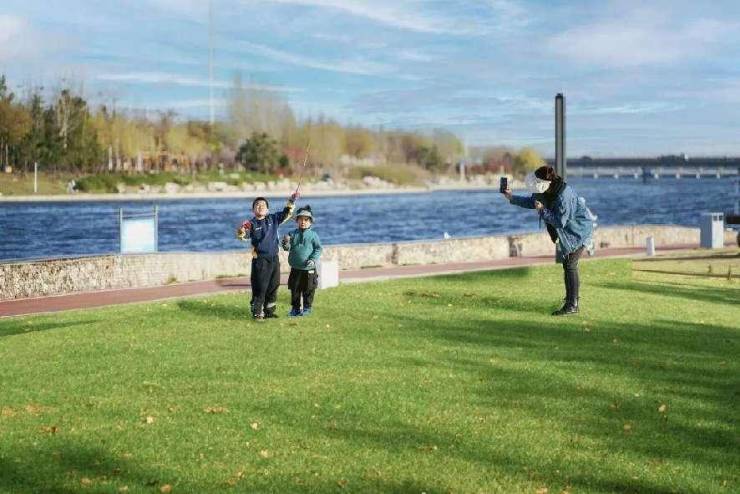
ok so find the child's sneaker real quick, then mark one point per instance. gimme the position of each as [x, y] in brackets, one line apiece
[306, 312]
[294, 313]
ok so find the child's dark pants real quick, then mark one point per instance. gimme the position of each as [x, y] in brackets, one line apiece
[302, 284]
[265, 279]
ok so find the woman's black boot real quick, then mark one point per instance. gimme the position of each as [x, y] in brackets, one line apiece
[569, 308]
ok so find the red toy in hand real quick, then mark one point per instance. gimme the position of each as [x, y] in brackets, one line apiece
[244, 230]
[294, 196]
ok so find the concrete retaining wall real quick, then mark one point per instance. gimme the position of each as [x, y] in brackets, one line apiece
[61, 276]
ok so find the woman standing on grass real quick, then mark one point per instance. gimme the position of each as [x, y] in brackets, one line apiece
[568, 223]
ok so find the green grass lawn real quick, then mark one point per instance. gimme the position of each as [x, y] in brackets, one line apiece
[446, 384]
[15, 184]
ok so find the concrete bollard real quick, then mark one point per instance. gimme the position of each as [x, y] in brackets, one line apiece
[650, 246]
[328, 274]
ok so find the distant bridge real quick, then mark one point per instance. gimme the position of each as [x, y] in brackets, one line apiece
[650, 172]
[653, 168]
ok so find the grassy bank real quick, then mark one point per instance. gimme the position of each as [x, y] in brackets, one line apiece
[17, 184]
[447, 384]
[395, 174]
[54, 184]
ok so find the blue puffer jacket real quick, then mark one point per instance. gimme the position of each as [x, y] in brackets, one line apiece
[567, 215]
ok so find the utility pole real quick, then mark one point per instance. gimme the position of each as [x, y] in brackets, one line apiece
[560, 160]
[210, 62]
[35, 177]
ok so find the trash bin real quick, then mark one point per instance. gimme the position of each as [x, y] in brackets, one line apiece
[712, 230]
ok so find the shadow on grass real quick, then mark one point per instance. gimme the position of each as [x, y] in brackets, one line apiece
[689, 292]
[20, 326]
[211, 309]
[70, 469]
[679, 361]
[517, 273]
[502, 459]
[64, 468]
[708, 257]
[686, 273]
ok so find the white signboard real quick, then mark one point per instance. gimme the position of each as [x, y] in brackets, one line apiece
[139, 235]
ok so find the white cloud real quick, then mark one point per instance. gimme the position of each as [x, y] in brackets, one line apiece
[639, 38]
[458, 18]
[360, 67]
[627, 108]
[17, 40]
[413, 55]
[179, 80]
[190, 104]
[159, 78]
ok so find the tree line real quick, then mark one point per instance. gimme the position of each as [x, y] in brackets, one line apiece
[63, 132]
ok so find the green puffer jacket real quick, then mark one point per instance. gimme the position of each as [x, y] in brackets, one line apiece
[304, 246]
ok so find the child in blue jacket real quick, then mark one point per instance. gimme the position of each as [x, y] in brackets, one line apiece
[262, 232]
[305, 249]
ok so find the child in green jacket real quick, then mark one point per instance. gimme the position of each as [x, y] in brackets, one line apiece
[305, 249]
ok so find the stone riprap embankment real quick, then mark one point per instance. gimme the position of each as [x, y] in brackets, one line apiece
[64, 276]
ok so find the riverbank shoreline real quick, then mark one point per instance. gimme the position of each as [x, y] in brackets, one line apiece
[163, 196]
[67, 275]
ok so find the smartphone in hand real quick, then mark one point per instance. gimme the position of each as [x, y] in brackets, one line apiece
[503, 184]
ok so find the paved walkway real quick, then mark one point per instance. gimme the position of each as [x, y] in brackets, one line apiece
[131, 295]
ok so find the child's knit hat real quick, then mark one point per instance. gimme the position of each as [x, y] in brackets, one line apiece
[305, 211]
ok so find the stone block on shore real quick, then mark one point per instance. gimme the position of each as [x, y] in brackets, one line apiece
[171, 188]
[217, 186]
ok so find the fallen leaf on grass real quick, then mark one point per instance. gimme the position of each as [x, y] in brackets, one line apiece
[34, 409]
[165, 489]
[215, 410]
[85, 481]
[149, 419]
[234, 479]
[342, 483]
[542, 490]
[50, 429]
[663, 408]
[265, 454]
[627, 427]
[254, 425]
[123, 489]
[428, 447]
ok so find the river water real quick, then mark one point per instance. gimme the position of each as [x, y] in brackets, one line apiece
[60, 229]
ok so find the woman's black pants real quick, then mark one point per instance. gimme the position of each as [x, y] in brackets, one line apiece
[572, 281]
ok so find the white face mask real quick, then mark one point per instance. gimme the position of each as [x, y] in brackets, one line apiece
[535, 184]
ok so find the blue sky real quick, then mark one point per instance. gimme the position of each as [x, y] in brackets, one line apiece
[640, 77]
